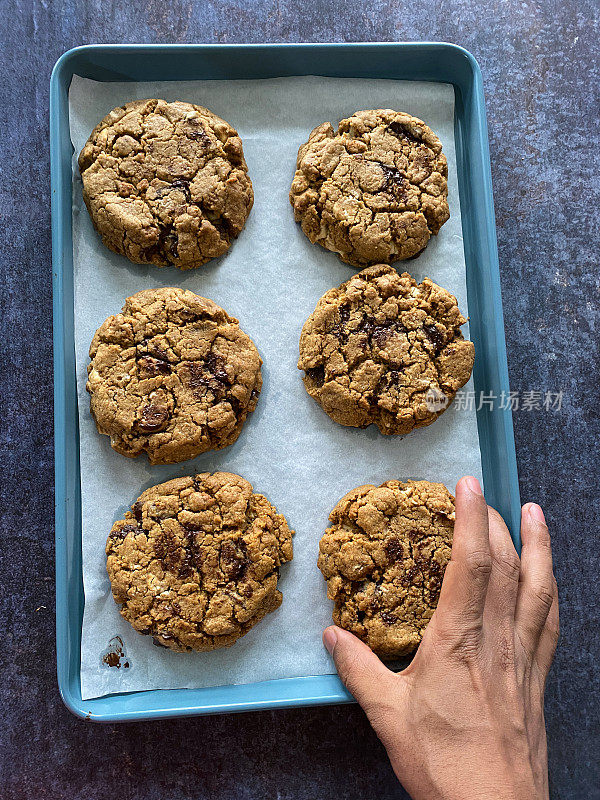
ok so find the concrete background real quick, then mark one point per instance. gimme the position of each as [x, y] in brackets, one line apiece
[540, 66]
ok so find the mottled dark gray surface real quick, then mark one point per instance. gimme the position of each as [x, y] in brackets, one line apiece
[539, 62]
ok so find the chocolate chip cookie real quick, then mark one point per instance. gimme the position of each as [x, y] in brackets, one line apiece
[195, 562]
[166, 183]
[380, 349]
[172, 375]
[373, 191]
[384, 559]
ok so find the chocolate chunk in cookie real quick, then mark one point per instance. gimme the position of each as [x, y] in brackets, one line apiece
[166, 183]
[381, 349]
[384, 558]
[373, 191]
[172, 375]
[195, 563]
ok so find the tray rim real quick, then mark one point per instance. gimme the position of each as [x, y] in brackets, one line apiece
[287, 692]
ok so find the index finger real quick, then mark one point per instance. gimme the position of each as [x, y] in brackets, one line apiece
[462, 598]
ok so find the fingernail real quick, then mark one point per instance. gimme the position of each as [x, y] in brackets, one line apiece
[473, 484]
[537, 513]
[330, 639]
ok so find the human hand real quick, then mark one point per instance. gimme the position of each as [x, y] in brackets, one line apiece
[465, 720]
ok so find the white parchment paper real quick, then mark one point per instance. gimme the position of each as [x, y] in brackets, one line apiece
[289, 449]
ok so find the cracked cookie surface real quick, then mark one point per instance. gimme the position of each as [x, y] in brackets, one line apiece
[381, 349]
[195, 562]
[384, 559]
[373, 191]
[166, 183]
[172, 375]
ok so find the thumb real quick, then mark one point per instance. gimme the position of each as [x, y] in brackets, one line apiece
[361, 672]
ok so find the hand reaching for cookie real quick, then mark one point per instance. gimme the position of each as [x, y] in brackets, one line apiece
[466, 718]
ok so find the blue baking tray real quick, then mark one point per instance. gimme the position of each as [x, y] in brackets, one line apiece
[423, 61]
